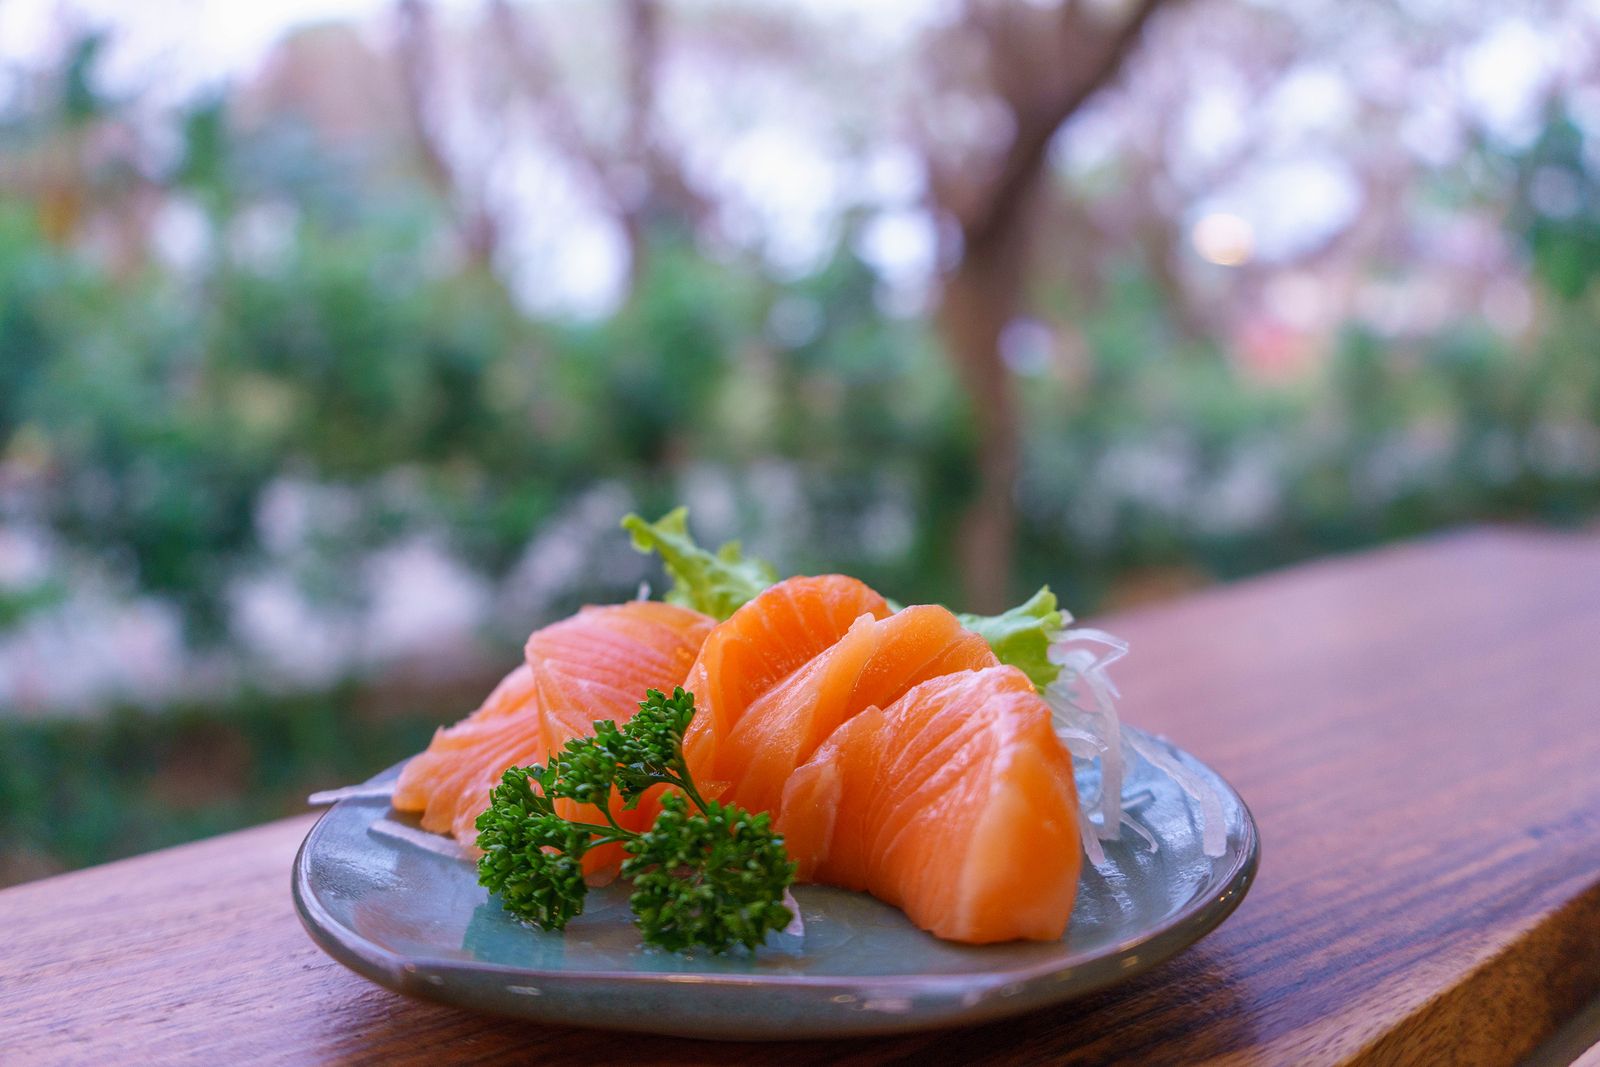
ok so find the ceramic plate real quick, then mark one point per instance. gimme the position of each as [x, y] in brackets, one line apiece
[417, 921]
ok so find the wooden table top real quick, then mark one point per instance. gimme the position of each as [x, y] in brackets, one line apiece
[1416, 729]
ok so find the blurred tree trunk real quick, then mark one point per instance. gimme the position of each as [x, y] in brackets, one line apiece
[1043, 65]
[477, 227]
[980, 296]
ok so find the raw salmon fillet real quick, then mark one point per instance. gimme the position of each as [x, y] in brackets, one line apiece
[594, 665]
[439, 781]
[873, 664]
[954, 803]
[759, 646]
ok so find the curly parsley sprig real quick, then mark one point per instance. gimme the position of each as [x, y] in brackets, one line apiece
[705, 873]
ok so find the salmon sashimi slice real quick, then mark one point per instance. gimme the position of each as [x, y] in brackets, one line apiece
[426, 784]
[763, 643]
[594, 665]
[955, 803]
[873, 664]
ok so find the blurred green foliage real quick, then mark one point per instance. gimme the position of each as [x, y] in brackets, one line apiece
[1558, 209]
[75, 792]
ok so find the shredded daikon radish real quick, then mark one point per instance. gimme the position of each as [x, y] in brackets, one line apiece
[1090, 834]
[1213, 831]
[1082, 703]
[797, 925]
[1083, 706]
[1138, 828]
[1081, 742]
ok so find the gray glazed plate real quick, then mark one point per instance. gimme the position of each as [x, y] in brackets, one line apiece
[418, 922]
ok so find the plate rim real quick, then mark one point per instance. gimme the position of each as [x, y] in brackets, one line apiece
[1156, 945]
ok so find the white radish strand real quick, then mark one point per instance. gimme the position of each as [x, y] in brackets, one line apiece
[1089, 834]
[1213, 830]
[1083, 708]
[1139, 830]
[1082, 702]
[797, 925]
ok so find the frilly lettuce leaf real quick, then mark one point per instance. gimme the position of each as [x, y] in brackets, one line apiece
[1021, 636]
[716, 584]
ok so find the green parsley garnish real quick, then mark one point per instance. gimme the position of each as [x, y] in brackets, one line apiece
[705, 873]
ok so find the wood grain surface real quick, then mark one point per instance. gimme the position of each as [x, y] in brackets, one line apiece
[1417, 731]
